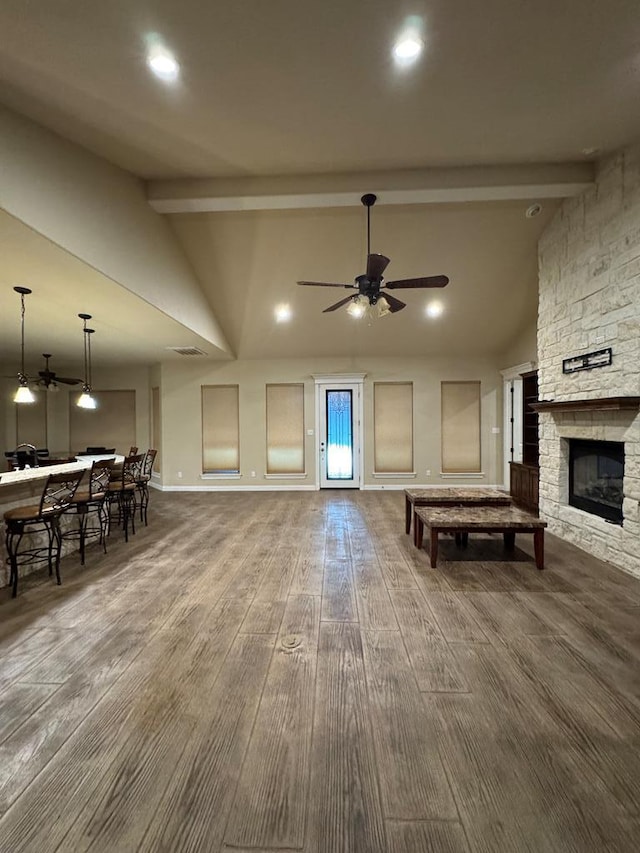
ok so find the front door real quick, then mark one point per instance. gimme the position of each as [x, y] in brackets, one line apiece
[339, 409]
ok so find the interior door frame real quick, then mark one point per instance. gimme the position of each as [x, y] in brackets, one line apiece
[512, 416]
[342, 382]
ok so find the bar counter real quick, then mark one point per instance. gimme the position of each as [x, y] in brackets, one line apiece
[22, 488]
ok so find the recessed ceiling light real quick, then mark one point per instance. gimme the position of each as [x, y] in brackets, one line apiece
[163, 64]
[533, 210]
[283, 313]
[408, 48]
[435, 309]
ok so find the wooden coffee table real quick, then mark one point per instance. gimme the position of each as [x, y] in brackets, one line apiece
[480, 519]
[450, 497]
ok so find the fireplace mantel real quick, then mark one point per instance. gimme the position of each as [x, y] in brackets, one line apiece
[599, 404]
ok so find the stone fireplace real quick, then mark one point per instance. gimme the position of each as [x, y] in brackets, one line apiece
[589, 299]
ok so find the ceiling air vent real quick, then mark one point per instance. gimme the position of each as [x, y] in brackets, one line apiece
[187, 350]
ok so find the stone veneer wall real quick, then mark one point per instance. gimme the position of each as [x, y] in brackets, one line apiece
[589, 299]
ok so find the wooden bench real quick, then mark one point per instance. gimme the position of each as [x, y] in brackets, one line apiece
[485, 519]
[450, 497]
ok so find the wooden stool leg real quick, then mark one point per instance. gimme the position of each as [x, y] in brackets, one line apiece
[434, 547]
[407, 514]
[418, 531]
[538, 547]
[509, 537]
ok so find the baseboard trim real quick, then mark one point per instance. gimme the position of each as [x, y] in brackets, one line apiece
[212, 488]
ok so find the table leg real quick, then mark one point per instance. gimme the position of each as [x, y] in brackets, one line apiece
[509, 537]
[407, 514]
[538, 547]
[434, 547]
[418, 531]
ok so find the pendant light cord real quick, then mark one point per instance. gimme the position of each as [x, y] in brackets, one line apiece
[84, 336]
[22, 328]
[89, 349]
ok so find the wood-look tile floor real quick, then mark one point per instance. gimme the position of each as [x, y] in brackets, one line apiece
[284, 671]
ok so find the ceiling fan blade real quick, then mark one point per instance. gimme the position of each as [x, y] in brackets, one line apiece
[338, 304]
[325, 284]
[394, 304]
[426, 281]
[376, 265]
[67, 380]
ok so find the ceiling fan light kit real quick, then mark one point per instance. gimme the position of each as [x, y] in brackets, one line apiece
[373, 291]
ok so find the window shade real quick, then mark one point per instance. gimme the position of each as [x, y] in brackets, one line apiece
[111, 424]
[393, 427]
[460, 427]
[156, 436]
[220, 429]
[285, 429]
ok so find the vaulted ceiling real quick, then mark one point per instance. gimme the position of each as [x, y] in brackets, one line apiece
[284, 113]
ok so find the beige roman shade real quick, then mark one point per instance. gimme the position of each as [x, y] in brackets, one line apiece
[111, 424]
[220, 429]
[393, 427]
[460, 427]
[285, 429]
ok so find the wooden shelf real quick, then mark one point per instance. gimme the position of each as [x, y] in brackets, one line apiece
[601, 404]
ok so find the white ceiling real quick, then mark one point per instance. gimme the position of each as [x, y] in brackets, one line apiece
[285, 88]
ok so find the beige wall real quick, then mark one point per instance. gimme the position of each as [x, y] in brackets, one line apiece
[181, 415]
[523, 348]
[100, 214]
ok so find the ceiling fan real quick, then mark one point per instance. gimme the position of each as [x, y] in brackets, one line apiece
[49, 378]
[371, 287]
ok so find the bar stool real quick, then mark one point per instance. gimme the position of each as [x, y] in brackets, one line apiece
[122, 492]
[142, 483]
[92, 501]
[57, 494]
[133, 450]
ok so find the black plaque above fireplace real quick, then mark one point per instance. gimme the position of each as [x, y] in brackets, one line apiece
[596, 471]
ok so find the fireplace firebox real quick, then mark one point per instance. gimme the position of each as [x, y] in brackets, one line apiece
[596, 471]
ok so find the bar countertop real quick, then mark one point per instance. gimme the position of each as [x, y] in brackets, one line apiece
[12, 478]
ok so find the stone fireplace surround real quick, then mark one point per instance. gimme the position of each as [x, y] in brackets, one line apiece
[589, 299]
[619, 545]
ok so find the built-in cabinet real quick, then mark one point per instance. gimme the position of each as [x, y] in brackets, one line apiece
[525, 475]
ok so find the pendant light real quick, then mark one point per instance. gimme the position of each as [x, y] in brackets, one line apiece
[86, 400]
[24, 394]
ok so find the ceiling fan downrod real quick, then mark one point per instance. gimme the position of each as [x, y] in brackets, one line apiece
[369, 199]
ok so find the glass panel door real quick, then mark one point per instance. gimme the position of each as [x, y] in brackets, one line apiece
[339, 435]
[339, 431]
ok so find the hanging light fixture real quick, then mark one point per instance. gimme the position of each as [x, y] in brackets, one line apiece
[24, 394]
[86, 400]
[358, 306]
[383, 307]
